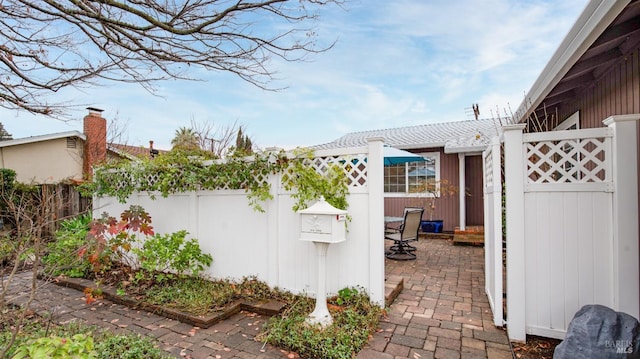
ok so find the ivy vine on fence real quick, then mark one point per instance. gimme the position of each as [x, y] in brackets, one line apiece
[178, 172]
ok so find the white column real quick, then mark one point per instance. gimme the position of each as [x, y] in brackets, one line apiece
[375, 186]
[514, 184]
[626, 280]
[461, 194]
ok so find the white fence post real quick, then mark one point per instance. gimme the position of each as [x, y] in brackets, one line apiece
[375, 185]
[625, 213]
[493, 229]
[514, 185]
[273, 231]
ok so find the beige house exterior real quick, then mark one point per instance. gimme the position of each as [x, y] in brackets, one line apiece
[46, 159]
[63, 157]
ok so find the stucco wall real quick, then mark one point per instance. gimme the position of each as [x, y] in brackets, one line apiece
[44, 162]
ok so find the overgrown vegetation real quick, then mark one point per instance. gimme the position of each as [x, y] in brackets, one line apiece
[42, 339]
[179, 171]
[354, 319]
[166, 274]
[164, 269]
[62, 254]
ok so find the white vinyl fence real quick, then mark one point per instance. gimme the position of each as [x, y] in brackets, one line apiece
[244, 242]
[571, 225]
[493, 268]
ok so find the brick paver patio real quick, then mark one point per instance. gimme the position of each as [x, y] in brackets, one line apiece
[442, 312]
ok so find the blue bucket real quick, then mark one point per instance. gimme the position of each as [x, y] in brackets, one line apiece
[432, 226]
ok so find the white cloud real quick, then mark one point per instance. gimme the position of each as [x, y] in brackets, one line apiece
[396, 63]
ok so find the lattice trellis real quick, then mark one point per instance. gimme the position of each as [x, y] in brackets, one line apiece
[584, 160]
[354, 166]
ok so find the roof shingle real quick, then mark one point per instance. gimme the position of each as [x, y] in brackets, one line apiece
[461, 136]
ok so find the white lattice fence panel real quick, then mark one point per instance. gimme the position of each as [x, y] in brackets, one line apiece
[354, 166]
[568, 157]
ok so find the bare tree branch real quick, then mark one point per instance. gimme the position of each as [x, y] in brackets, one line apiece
[46, 45]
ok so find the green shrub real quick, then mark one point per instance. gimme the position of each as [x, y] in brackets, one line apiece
[7, 248]
[39, 339]
[63, 253]
[172, 252]
[78, 346]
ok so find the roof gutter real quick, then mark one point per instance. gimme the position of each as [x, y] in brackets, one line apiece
[595, 18]
[419, 146]
[467, 150]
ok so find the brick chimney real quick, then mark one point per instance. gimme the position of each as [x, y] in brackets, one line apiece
[95, 147]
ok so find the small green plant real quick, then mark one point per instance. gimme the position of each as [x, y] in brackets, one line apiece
[78, 346]
[173, 252]
[62, 341]
[345, 295]
[110, 239]
[62, 258]
[7, 248]
[128, 347]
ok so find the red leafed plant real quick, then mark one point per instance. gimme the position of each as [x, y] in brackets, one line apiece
[109, 237]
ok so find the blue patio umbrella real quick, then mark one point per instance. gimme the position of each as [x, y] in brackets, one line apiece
[394, 156]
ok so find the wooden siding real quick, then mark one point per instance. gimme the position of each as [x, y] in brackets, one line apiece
[448, 208]
[615, 92]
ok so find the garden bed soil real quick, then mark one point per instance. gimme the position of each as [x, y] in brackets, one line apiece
[535, 348]
[109, 292]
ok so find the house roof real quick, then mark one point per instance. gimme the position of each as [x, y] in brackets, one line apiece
[131, 152]
[114, 148]
[603, 34]
[461, 136]
[48, 137]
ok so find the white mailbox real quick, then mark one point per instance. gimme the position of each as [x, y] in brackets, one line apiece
[323, 222]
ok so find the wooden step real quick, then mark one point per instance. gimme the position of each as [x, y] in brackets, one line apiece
[470, 230]
[467, 238]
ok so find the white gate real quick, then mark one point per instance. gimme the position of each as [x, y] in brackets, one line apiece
[572, 229]
[493, 230]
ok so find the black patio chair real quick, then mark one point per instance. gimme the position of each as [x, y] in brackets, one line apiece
[406, 232]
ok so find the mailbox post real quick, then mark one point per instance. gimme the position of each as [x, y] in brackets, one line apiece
[322, 224]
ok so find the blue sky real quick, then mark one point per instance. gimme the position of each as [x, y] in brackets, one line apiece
[395, 63]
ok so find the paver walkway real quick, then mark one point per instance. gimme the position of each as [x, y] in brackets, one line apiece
[232, 338]
[442, 312]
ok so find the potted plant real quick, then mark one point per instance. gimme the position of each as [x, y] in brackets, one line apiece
[428, 191]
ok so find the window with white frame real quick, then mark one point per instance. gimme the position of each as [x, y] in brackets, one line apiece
[406, 178]
[571, 123]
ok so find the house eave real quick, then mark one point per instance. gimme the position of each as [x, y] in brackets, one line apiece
[594, 19]
[420, 145]
[41, 138]
[467, 150]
